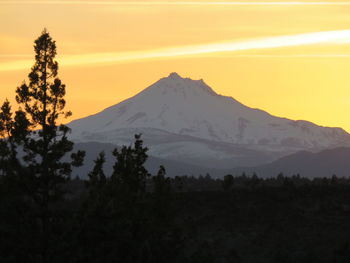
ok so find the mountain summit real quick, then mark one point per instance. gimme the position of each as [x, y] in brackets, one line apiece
[174, 81]
[185, 117]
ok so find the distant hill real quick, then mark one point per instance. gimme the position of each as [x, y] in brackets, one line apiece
[322, 164]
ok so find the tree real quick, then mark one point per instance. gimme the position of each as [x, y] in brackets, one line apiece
[97, 179]
[129, 172]
[161, 182]
[161, 196]
[128, 212]
[228, 182]
[117, 208]
[33, 144]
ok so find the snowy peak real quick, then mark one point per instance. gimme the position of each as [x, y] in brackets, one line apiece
[174, 75]
[186, 107]
[175, 83]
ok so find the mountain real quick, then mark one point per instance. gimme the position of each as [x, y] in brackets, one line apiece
[185, 120]
[322, 164]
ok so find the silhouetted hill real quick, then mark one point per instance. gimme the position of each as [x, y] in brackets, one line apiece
[321, 164]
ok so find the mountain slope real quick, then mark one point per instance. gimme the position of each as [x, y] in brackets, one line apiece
[307, 164]
[322, 164]
[173, 168]
[185, 119]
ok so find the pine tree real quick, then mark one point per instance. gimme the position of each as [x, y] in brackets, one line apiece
[227, 182]
[129, 172]
[161, 182]
[116, 211]
[16, 225]
[33, 144]
[97, 179]
[161, 195]
[130, 212]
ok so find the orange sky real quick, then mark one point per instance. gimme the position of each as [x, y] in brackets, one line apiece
[291, 59]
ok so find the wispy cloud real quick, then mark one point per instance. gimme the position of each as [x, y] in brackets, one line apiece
[180, 3]
[325, 37]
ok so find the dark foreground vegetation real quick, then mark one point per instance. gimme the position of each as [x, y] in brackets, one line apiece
[184, 219]
[132, 216]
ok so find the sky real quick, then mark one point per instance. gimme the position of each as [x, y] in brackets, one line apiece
[289, 58]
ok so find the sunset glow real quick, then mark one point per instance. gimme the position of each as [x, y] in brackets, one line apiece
[181, 3]
[289, 58]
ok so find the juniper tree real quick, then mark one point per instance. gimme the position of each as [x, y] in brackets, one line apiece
[33, 143]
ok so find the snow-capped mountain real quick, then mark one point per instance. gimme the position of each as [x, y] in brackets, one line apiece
[184, 119]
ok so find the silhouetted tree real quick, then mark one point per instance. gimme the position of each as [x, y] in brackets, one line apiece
[129, 173]
[129, 212]
[227, 182]
[97, 178]
[116, 211]
[178, 183]
[161, 183]
[33, 143]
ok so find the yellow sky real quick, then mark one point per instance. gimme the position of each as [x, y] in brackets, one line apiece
[291, 59]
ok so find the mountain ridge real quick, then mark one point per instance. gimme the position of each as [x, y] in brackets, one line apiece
[307, 164]
[175, 75]
[185, 107]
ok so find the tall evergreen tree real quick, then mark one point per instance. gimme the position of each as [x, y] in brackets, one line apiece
[227, 182]
[116, 210]
[129, 172]
[33, 144]
[97, 178]
[161, 195]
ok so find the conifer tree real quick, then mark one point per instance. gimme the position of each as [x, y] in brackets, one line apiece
[97, 178]
[161, 194]
[227, 182]
[129, 172]
[33, 144]
[116, 210]
[161, 183]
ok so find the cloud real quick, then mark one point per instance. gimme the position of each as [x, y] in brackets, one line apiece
[324, 37]
[181, 3]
